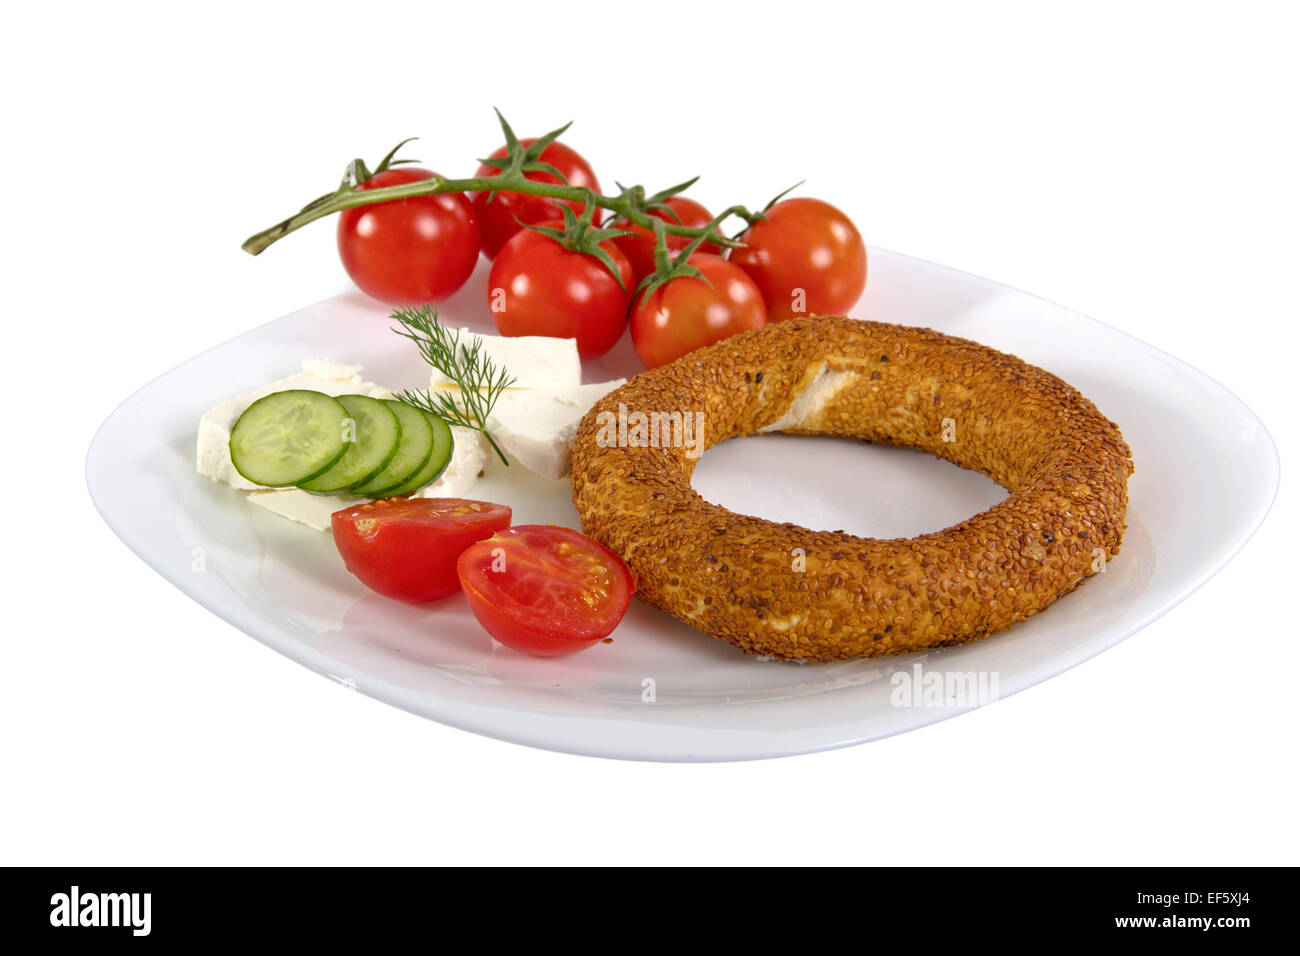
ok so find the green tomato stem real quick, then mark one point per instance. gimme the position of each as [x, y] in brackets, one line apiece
[349, 197]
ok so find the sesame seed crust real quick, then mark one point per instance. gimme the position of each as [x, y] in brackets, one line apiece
[790, 593]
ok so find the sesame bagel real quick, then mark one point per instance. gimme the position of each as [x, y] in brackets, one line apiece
[791, 593]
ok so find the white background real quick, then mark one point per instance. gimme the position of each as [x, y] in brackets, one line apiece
[1135, 162]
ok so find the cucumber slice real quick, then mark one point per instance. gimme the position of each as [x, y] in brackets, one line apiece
[374, 436]
[288, 437]
[412, 451]
[443, 446]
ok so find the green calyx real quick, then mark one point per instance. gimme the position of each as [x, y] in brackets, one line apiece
[635, 198]
[669, 266]
[580, 234]
[358, 172]
[520, 159]
[761, 216]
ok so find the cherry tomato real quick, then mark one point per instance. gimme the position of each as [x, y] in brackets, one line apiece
[409, 251]
[497, 219]
[406, 548]
[538, 287]
[808, 258]
[687, 313]
[545, 590]
[640, 246]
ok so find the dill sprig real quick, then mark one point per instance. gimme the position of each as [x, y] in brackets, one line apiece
[479, 380]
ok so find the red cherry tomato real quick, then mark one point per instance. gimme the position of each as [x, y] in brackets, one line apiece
[538, 287]
[685, 314]
[545, 590]
[497, 219]
[640, 246]
[808, 258]
[406, 548]
[409, 251]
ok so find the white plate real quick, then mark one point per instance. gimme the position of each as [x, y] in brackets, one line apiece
[1207, 472]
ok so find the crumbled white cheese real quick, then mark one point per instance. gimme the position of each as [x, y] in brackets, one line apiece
[336, 371]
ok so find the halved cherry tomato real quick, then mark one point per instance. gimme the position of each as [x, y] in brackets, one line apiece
[409, 251]
[500, 218]
[686, 313]
[538, 287]
[808, 259]
[406, 548]
[545, 590]
[639, 247]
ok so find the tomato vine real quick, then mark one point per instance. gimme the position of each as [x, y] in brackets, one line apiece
[631, 203]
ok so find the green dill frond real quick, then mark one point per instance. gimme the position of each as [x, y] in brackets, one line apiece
[479, 381]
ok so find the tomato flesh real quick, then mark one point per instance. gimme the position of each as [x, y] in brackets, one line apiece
[407, 548]
[807, 258]
[409, 251]
[545, 590]
[500, 218]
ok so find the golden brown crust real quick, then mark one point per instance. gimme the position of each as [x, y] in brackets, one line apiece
[787, 592]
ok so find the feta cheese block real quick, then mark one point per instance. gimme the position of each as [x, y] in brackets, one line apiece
[536, 426]
[534, 420]
[302, 506]
[535, 361]
[213, 448]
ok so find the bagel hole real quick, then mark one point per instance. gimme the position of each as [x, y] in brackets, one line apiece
[831, 483]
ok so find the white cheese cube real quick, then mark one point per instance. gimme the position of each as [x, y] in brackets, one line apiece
[535, 361]
[537, 426]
